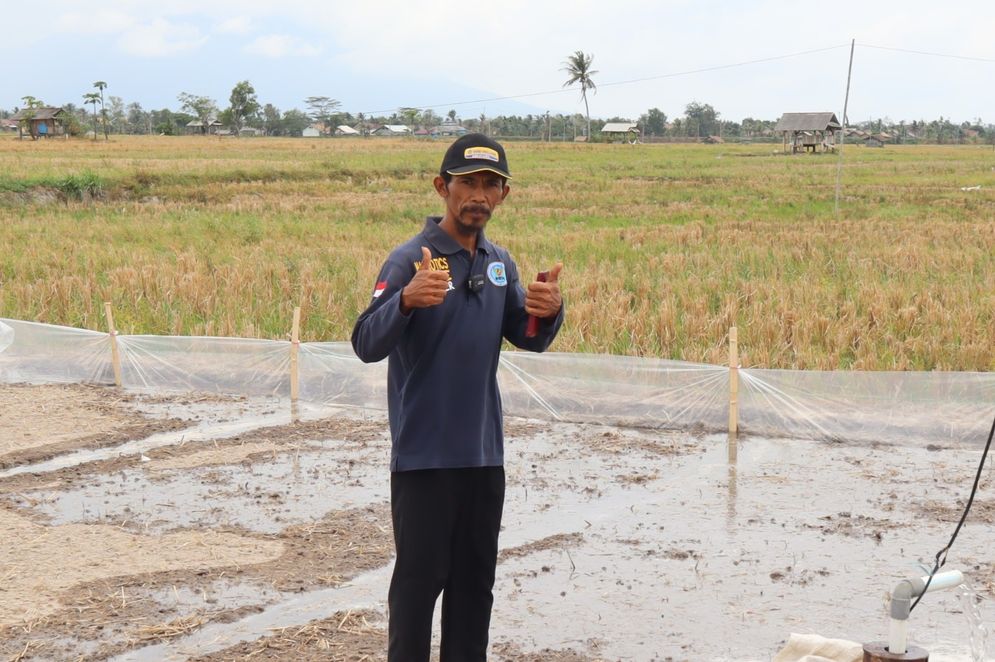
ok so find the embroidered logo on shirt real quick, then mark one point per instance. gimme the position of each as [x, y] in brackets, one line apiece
[496, 274]
[438, 264]
[381, 286]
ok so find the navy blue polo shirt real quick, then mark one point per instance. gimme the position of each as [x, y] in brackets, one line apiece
[442, 392]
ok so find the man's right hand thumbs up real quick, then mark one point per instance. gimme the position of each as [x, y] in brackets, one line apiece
[427, 288]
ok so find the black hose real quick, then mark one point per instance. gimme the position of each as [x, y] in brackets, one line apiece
[941, 556]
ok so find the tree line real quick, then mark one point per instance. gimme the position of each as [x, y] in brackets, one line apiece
[699, 120]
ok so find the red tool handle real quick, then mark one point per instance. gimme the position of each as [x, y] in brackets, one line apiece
[532, 328]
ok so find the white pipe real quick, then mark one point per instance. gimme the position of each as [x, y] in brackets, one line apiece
[898, 636]
[948, 579]
[901, 604]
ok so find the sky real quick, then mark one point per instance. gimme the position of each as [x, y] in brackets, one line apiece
[747, 58]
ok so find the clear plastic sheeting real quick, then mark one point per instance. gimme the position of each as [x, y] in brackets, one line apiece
[41, 353]
[615, 390]
[6, 336]
[939, 408]
[868, 407]
[332, 374]
[226, 365]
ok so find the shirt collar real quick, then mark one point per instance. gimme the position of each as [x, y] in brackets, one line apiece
[445, 244]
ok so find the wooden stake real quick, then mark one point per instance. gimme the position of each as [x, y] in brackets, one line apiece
[295, 345]
[733, 390]
[115, 356]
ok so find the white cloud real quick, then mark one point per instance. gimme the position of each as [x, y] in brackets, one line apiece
[160, 38]
[281, 45]
[235, 25]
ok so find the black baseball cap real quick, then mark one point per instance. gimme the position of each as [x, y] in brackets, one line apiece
[475, 152]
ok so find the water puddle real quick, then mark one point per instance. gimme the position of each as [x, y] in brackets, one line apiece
[621, 544]
[217, 420]
[265, 496]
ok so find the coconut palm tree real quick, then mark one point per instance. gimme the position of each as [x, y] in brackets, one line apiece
[578, 65]
[94, 98]
[101, 85]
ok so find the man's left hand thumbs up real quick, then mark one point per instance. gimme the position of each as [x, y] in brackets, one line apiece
[542, 299]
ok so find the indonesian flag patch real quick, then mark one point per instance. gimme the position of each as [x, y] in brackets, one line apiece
[381, 286]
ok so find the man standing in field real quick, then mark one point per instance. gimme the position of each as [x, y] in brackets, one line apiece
[442, 304]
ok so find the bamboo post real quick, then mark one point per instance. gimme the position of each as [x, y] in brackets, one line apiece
[733, 390]
[115, 356]
[295, 345]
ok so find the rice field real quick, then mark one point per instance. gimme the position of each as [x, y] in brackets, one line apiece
[664, 246]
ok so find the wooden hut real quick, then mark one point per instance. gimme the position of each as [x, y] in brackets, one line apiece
[808, 131]
[626, 131]
[877, 139]
[41, 122]
[196, 127]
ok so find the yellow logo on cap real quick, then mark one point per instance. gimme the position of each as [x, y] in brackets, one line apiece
[485, 153]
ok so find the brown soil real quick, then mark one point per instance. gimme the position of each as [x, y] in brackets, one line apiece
[848, 524]
[35, 572]
[520, 428]
[355, 636]
[118, 591]
[982, 511]
[115, 613]
[40, 422]
[327, 553]
[559, 541]
[359, 637]
[507, 652]
[625, 441]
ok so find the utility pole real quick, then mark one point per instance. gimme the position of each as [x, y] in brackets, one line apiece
[846, 101]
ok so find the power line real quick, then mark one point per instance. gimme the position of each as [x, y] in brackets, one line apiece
[675, 74]
[947, 55]
[726, 66]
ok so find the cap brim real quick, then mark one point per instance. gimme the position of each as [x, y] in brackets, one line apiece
[470, 169]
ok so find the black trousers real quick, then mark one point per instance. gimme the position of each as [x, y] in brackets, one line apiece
[446, 524]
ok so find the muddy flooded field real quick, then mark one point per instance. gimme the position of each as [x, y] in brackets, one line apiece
[141, 527]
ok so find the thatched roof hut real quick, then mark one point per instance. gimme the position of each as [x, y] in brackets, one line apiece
[808, 130]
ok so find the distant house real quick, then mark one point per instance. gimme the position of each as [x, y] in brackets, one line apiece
[627, 131]
[251, 131]
[42, 122]
[311, 132]
[712, 140]
[808, 131]
[346, 130]
[449, 128]
[8, 125]
[392, 130]
[196, 127]
[877, 139]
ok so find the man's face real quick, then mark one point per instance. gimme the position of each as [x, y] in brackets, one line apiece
[471, 199]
